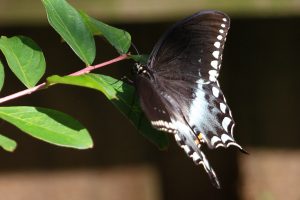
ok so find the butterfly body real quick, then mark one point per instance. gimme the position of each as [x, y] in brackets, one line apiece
[178, 88]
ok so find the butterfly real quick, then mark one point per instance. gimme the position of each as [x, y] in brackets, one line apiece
[178, 87]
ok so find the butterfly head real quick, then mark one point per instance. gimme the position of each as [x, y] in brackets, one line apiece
[142, 70]
[138, 68]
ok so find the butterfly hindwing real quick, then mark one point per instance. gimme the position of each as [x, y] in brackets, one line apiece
[154, 105]
[215, 122]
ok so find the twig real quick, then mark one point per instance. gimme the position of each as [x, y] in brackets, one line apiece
[91, 68]
[44, 85]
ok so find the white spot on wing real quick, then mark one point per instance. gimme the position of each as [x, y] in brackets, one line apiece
[217, 44]
[226, 121]
[234, 144]
[177, 138]
[164, 126]
[223, 107]
[220, 145]
[215, 92]
[212, 78]
[195, 156]
[224, 19]
[225, 138]
[213, 74]
[214, 63]
[202, 81]
[206, 163]
[221, 31]
[223, 25]
[231, 131]
[219, 37]
[186, 149]
[216, 55]
[214, 140]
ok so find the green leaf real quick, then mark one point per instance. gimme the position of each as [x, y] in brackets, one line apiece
[70, 25]
[122, 96]
[140, 58]
[48, 125]
[2, 75]
[24, 58]
[118, 38]
[7, 143]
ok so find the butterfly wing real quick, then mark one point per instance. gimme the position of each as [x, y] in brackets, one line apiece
[154, 105]
[192, 48]
[165, 115]
[186, 62]
[181, 79]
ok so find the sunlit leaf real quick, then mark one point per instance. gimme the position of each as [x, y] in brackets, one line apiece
[70, 25]
[24, 58]
[142, 59]
[2, 75]
[48, 125]
[118, 38]
[7, 143]
[122, 96]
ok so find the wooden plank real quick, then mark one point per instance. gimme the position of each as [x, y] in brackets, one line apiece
[270, 174]
[119, 183]
[32, 12]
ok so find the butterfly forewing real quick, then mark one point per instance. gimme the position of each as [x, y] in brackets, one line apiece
[193, 47]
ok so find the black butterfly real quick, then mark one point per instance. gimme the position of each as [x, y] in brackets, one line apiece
[179, 91]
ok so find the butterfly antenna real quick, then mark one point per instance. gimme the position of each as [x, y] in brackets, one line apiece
[135, 48]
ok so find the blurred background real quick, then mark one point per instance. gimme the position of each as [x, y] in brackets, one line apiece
[260, 79]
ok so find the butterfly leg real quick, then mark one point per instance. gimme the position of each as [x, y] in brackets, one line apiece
[127, 80]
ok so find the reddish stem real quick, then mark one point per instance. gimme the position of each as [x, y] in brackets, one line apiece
[80, 72]
[91, 68]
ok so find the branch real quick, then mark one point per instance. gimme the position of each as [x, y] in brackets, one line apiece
[44, 85]
[91, 68]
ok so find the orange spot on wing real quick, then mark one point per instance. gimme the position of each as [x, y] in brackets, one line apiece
[200, 137]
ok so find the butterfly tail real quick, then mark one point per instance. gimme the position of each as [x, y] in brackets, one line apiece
[210, 171]
[194, 152]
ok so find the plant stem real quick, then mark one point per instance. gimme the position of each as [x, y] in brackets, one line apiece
[44, 85]
[91, 68]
